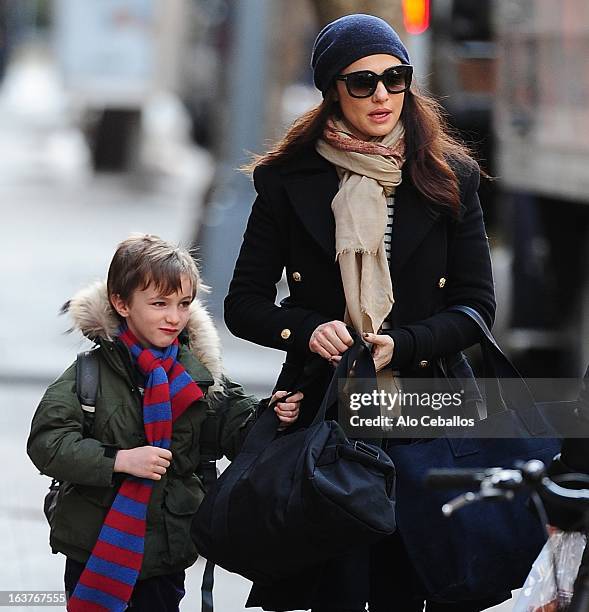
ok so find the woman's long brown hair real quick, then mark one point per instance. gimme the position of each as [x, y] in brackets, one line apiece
[428, 140]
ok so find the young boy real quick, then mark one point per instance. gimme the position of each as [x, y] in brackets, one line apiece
[130, 489]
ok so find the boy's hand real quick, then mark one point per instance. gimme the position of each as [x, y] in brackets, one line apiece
[287, 411]
[144, 462]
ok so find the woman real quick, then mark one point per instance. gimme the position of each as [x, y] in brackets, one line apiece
[372, 208]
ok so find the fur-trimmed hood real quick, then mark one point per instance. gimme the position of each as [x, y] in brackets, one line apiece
[93, 315]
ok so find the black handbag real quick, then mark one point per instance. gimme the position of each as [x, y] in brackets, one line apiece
[485, 550]
[298, 498]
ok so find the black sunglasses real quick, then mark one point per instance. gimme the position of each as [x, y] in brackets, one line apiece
[363, 83]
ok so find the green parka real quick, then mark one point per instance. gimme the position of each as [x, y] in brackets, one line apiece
[58, 449]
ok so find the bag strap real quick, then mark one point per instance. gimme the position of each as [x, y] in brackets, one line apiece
[208, 582]
[87, 381]
[209, 448]
[209, 454]
[356, 363]
[507, 386]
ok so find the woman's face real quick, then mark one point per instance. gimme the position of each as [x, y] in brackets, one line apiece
[378, 114]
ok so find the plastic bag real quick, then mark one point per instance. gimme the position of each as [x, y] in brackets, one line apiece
[541, 592]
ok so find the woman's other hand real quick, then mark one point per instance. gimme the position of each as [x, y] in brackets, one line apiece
[330, 340]
[287, 411]
[383, 347]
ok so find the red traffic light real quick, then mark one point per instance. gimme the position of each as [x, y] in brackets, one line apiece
[416, 16]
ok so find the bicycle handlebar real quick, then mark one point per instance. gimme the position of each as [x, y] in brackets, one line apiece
[501, 483]
[454, 479]
[494, 483]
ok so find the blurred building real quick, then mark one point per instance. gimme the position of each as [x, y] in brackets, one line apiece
[514, 78]
[542, 118]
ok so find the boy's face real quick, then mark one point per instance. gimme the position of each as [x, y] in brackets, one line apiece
[155, 319]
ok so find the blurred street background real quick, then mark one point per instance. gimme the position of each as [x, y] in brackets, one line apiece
[133, 115]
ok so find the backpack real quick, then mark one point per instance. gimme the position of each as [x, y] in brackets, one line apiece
[87, 380]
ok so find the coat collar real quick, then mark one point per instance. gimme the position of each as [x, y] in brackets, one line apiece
[311, 183]
[307, 160]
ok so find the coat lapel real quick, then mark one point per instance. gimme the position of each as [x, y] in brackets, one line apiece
[311, 183]
[311, 187]
[414, 218]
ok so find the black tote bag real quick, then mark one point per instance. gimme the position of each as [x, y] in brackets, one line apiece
[486, 549]
[292, 500]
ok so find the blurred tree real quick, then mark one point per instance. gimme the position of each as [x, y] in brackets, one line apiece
[328, 10]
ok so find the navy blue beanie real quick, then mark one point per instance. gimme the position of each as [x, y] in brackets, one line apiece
[349, 38]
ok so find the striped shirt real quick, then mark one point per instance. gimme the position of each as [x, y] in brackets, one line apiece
[388, 237]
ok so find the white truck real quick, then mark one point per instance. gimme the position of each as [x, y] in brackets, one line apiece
[542, 153]
[514, 78]
[113, 55]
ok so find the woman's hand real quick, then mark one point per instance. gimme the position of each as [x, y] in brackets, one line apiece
[383, 347]
[330, 340]
[287, 411]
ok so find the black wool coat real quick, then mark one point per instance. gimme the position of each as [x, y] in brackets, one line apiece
[436, 261]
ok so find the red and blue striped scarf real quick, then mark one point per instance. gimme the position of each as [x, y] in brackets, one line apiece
[114, 565]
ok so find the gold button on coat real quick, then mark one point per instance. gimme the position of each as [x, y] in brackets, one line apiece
[423, 364]
[296, 276]
[441, 282]
[285, 334]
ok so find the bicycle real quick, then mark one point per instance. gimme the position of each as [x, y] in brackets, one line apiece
[499, 484]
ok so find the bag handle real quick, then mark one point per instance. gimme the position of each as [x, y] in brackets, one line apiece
[356, 362]
[516, 395]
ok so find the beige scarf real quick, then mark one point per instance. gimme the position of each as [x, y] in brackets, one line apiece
[369, 171]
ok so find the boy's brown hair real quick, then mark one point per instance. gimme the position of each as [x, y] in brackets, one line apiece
[144, 259]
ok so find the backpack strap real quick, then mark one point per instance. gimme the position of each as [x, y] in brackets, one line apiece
[87, 379]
